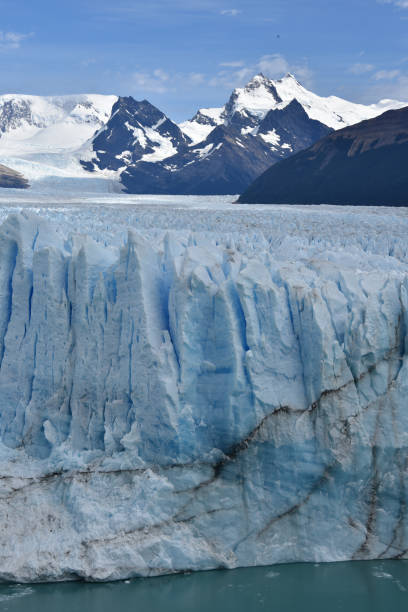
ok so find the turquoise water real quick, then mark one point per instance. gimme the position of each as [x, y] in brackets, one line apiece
[377, 586]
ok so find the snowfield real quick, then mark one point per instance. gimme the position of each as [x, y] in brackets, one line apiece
[44, 137]
[187, 384]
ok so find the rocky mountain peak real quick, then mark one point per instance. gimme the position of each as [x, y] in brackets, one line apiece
[257, 80]
[291, 76]
[255, 99]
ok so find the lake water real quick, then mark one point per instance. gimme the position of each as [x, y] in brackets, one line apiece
[376, 586]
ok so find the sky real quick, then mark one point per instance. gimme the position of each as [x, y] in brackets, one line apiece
[186, 54]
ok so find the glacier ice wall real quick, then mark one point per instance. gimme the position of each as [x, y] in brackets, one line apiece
[186, 401]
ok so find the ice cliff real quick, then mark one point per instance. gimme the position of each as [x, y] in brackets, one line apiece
[188, 401]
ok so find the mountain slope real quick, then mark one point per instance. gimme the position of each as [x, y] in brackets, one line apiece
[261, 124]
[363, 164]
[136, 131]
[261, 95]
[203, 122]
[215, 166]
[44, 137]
[230, 157]
[332, 111]
[36, 124]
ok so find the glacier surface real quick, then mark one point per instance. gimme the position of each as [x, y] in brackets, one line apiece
[188, 384]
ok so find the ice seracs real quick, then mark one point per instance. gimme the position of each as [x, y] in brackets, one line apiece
[214, 388]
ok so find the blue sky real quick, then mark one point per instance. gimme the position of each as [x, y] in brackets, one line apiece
[183, 54]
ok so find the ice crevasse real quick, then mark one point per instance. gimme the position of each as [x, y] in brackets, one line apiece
[181, 404]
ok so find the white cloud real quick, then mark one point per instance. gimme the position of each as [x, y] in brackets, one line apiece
[12, 40]
[232, 64]
[195, 78]
[230, 12]
[158, 9]
[400, 3]
[160, 74]
[159, 81]
[396, 89]
[228, 79]
[88, 62]
[236, 74]
[273, 66]
[276, 65]
[230, 75]
[361, 68]
[154, 82]
[386, 74]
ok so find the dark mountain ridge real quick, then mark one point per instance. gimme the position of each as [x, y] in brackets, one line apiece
[364, 164]
[153, 155]
[132, 132]
[227, 160]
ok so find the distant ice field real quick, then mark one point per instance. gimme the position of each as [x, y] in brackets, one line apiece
[289, 232]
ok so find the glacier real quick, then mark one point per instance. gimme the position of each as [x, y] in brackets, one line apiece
[189, 384]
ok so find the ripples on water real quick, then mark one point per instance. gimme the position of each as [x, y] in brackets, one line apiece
[354, 587]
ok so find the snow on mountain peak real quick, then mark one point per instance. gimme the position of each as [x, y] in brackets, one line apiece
[256, 98]
[289, 77]
[333, 111]
[257, 80]
[261, 94]
[37, 124]
[203, 122]
[41, 135]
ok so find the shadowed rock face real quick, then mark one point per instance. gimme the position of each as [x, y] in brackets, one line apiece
[12, 179]
[363, 164]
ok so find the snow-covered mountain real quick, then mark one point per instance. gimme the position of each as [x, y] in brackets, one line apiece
[203, 122]
[56, 121]
[96, 142]
[135, 132]
[231, 155]
[44, 137]
[261, 124]
[261, 95]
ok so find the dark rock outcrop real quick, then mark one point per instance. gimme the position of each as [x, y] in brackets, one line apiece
[364, 164]
[11, 179]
